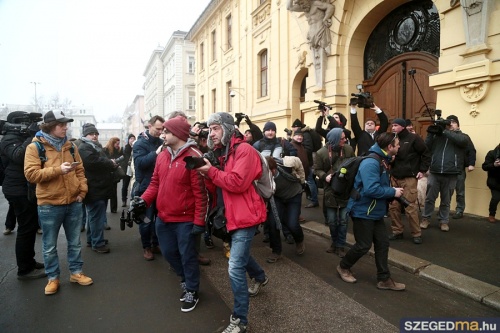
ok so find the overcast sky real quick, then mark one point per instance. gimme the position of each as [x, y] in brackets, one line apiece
[93, 52]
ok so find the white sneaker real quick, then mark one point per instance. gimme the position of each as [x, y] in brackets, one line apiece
[235, 326]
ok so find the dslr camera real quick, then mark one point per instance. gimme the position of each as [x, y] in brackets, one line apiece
[362, 100]
[203, 134]
[20, 122]
[289, 132]
[239, 115]
[193, 162]
[136, 214]
[439, 124]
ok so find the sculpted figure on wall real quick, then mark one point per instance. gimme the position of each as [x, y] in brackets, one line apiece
[318, 14]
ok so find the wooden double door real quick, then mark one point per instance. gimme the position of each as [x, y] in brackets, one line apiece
[404, 95]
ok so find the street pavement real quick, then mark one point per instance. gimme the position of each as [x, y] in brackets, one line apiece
[304, 294]
[464, 260]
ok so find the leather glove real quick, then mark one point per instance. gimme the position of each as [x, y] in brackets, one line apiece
[138, 206]
[197, 230]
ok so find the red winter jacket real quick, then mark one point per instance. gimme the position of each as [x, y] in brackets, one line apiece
[243, 205]
[180, 193]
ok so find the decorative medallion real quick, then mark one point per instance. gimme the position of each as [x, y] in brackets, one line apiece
[474, 92]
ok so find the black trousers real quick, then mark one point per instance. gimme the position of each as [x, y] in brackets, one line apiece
[495, 199]
[125, 184]
[27, 224]
[367, 232]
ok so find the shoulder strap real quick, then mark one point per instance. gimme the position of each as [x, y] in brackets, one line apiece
[379, 159]
[41, 152]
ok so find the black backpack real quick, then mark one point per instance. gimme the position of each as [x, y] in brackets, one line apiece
[343, 179]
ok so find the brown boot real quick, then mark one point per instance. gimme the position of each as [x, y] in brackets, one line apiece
[148, 255]
[52, 287]
[491, 219]
[390, 284]
[300, 248]
[203, 261]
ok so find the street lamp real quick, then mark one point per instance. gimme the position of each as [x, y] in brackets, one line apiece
[36, 100]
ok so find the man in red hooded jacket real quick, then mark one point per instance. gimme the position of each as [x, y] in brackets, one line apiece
[182, 203]
[239, 166]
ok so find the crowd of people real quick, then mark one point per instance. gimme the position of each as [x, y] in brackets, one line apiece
[53, 182]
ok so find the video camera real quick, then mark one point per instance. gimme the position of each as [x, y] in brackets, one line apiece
[362, 100]
[136, 213]
[19, 122]
[439, 124]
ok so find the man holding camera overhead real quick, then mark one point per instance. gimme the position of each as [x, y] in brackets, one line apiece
[366, 138]
[447, 145]
[408, 166]
[253, 133]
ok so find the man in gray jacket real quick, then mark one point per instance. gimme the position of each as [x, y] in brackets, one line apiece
[446, 146]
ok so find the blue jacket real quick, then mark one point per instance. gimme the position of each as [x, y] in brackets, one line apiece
[374, 188]
[144, 153]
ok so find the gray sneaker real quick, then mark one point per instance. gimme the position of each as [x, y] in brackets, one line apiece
[235, 326]
[254, 289]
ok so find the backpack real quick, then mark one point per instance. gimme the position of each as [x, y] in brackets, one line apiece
[43, 159]
[343, 179]
[265, 185]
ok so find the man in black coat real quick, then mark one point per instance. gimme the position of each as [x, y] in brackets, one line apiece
[492, 166]
[15, 189]
[366, 138]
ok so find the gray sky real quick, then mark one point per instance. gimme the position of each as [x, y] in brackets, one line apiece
[93, 52]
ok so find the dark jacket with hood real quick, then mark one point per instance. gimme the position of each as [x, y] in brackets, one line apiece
[448, 151]
[98, 171]
[144, 151]
[493, 181]
[13, 147]
[254, 129]
[274, 147]
[328, 159]
[413, 156]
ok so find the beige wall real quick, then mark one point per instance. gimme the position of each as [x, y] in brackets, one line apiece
[271, 26]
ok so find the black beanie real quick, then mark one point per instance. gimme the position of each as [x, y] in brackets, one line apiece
[298, 123]
[89, 128]
[454, 118]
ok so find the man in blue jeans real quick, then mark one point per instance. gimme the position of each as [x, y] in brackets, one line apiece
[231, 180]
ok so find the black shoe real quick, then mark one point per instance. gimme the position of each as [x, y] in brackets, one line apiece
[266, 238]
[458, 215]
[395, 236]
[34, 274]
[114, 211]
[289, 239]
[209, 243]
[124, 203]
[190, 301]
[39, 265]
[417, 240]
[101, 249]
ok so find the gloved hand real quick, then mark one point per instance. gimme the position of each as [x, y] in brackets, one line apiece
[197, 230]
[138, 206]
[33, 128]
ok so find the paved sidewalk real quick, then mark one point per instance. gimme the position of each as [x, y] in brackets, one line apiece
[463, 260]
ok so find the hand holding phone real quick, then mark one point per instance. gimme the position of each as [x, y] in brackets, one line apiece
[74, 164]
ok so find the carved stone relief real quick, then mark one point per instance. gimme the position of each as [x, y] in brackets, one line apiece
[474, 92]
[474, 111]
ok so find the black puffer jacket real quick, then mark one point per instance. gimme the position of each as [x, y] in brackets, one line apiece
[493, 181]
[413, 156]
[13, 148]
[98, 171]
[447, 150]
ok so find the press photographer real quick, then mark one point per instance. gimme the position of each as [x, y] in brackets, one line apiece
[253, 133]
[18, 131]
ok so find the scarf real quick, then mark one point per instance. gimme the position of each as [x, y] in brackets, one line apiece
[57, 143]
[94, 145]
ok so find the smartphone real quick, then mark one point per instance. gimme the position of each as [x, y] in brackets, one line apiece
[74, 164]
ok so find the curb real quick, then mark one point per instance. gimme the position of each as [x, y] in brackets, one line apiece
[474, 289]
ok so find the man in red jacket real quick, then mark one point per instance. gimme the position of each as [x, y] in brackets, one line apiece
[239, 166]
[182, 203]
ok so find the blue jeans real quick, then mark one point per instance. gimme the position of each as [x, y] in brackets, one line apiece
[147, 230]
[337, 222]
[177, 245]
[96, 216]
[288, 212]
[51, 219]
[241, 262]
[311, 183]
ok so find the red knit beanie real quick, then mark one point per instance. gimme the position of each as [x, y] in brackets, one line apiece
[179, 127]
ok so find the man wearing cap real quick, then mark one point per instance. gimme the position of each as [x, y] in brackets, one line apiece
[312, 143]
[145, 150]
[272, 146]
[182, 203]
[98, 170]
[407, 167]
[15, 189]
[61, 188]
[245, 209]
[468, 162]
[446, 145]
[366, 138]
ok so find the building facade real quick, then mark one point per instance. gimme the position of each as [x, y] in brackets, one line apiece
[273, 59]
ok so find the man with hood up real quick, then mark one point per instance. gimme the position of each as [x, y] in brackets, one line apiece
[232, 181]
[328, 159]
[182, 203]
[253, 133]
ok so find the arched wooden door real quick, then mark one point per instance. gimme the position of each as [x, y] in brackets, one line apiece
[402, 95]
